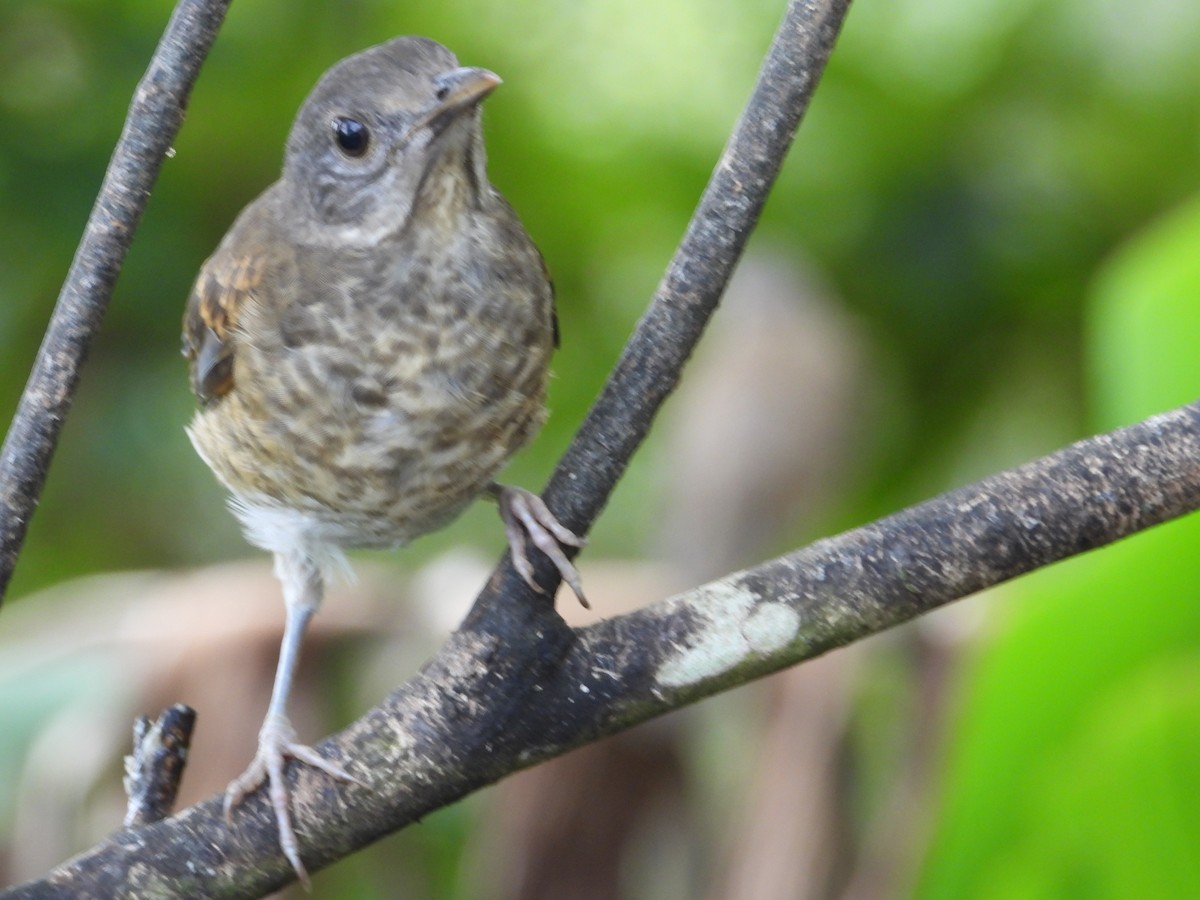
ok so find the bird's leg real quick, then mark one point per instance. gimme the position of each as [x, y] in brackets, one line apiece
[303, 587]
[525, 514]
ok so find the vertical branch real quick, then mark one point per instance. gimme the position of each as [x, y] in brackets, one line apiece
[690, 289]
[155, 767]
[695, 279]
[154, 118]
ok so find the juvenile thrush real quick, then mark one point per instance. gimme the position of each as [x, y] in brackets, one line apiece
[369, 345]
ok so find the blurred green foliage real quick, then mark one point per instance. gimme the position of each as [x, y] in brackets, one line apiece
[1073, 771]
[984, 184]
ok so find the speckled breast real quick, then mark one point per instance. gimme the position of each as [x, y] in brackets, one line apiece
[383, 403]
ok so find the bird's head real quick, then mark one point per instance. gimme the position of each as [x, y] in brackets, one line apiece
[384, 130]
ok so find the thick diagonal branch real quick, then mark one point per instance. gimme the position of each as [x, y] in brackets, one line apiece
[489, 704]
[154, 118]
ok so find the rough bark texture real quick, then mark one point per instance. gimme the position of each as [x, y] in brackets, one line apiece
[155, 768]
[520, 687]
[154, 118]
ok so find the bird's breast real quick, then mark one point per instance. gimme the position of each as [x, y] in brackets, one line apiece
[381, 406]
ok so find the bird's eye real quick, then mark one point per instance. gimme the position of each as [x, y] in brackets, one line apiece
[351, 136]
[442, 92]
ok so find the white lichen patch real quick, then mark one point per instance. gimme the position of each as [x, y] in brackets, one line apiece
[771, 627]
[736, 627]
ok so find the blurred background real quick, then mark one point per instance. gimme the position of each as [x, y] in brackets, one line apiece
[984, 246]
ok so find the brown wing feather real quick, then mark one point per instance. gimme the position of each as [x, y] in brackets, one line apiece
[553, 299]
[209, 324]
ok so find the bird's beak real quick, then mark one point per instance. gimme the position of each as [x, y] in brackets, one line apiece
[460, 88]
[458, 91]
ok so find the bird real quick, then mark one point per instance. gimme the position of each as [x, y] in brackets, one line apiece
[369, 344]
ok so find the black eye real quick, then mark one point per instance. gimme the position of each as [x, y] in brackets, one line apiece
[442, 92]
[351, 135]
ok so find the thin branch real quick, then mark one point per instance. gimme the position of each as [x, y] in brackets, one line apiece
[155, 767]
[154, 118]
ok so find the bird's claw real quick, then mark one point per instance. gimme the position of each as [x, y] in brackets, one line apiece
[525, 514]
[276, 742]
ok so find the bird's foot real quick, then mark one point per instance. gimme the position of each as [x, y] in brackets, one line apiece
[276, 742]
[526, 515]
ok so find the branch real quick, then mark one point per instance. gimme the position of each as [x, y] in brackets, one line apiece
[492, 703]
[155, 767]
[154, 118]
[695, 279]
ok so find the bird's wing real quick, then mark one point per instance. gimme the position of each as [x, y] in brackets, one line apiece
[225, 285]
[553, 299]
